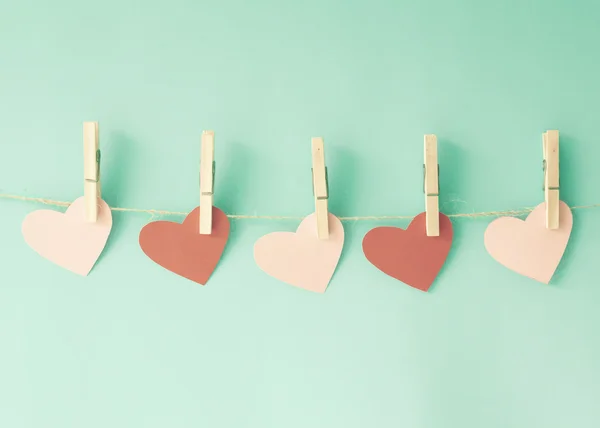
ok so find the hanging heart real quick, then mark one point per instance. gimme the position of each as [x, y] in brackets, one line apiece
[528, 247]
[68, 240]
[302, 259]
[181, 249]
[409, 255]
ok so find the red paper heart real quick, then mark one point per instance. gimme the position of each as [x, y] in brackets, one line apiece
[181, 249]
[409, 255]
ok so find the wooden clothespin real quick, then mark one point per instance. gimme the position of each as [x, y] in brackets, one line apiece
[431, 186]
[91, 170]
[320, 187]
[207, 181]
[551, 178]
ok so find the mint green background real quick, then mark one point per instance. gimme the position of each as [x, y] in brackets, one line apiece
[133, 345]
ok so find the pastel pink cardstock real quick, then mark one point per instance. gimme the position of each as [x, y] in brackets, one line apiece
[68, 240]
[528, 247]
[302, 259]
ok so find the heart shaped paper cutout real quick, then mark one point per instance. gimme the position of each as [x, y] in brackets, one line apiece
[181, 249]
[67, 239]
[528, 247]
[302, 259]
[409, 255]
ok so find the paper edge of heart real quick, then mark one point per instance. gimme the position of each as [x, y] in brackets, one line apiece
[106, 211]
[322, 287]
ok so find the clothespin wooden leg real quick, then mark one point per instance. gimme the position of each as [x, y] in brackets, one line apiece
[207, 181]
[551, 178]
[320, 187]
[431, 187]
[91, 170]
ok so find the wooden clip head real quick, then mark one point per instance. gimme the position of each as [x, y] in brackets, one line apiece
[207, 181]
[320, 187]
[550, 149]
[431, 186]
[91, 170]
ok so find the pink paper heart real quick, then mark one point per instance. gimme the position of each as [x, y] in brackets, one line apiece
[68, 239]
[528, 247]
[302, 259]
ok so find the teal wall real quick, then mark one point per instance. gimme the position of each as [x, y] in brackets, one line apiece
[133, 345]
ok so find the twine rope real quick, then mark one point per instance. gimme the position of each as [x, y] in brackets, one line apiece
[154, 212]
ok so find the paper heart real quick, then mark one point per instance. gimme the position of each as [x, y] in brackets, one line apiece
[302, 259]
[409, 255]
[68, 240]
[181, 249]
[528, 247]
